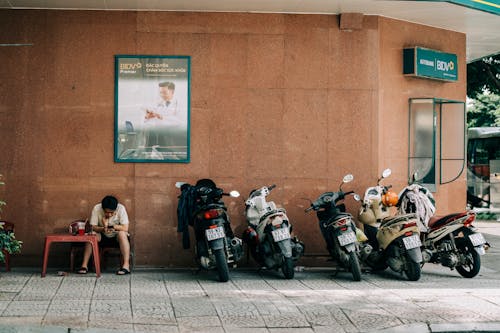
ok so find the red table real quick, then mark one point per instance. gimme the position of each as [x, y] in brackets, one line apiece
[68, 238]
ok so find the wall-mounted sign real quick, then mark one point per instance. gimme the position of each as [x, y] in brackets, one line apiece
[152, 95]
[431, 64]
[490, 6]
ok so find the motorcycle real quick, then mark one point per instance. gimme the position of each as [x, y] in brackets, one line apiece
[338, 228]
[201, 206]
[396, 241]
[449, 240]
[268, 234]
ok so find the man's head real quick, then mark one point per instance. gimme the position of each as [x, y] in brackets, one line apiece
[109, 204]
[167, 90]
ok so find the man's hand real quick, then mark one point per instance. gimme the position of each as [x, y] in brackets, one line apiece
[151, 114]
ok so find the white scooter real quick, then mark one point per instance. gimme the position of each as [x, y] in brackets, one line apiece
[268, 234]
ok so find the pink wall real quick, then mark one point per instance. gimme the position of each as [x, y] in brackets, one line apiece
[283, 99]
[396, 90]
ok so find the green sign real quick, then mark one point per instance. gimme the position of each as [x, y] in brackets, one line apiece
[490, 6]
[431, 64]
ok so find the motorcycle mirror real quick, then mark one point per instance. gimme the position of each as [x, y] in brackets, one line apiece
[386, 173]
[348, 178]
[356, 197]
[234, 194]
[179, 184]
[414, 178]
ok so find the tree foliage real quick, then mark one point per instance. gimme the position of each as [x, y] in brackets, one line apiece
[484, 111]
[483, 74]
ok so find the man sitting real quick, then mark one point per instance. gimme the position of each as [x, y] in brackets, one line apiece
[109, 221]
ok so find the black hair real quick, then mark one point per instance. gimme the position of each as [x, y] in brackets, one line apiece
[169, 85]
[109, 202]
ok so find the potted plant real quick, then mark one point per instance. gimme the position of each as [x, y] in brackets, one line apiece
[8, 242]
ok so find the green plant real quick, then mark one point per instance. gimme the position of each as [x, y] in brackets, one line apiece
[486, 216]
[8, 241]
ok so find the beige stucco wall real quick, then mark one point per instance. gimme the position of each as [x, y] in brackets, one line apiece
[283, 99]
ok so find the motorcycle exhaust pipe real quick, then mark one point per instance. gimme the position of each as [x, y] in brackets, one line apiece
[426, 255]
[366, 250]
[236, 242]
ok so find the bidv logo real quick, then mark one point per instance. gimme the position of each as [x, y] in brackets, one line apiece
[130, 66]
[445, 66]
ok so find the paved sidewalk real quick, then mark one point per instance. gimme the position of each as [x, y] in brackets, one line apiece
[160, 300]
[316, 301]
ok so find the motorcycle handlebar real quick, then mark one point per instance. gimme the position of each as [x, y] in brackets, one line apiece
[309, 209]
[270, 188]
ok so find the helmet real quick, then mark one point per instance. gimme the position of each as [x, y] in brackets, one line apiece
[390, 198]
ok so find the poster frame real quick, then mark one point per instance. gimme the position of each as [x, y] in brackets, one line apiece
[139, 80]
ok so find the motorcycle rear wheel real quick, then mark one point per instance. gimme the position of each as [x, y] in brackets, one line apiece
[473, 266]
[221, 264]
[355, 267]
[413, 270]
[288, 268]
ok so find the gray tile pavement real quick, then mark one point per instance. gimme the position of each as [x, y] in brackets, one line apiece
[317, 300]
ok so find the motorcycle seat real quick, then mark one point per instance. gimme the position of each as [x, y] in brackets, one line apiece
[436, 222]
[390, 220]
[341, 216]
[273, 212]
[337, 217]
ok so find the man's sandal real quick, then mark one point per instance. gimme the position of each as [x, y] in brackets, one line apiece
[123, 271]
[82, 270]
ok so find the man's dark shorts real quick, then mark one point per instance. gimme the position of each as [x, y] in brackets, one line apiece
[108, 241]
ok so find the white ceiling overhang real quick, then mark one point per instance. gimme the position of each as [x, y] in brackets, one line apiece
[482, 28]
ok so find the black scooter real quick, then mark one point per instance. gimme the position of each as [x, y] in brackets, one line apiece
[201, 206]
[338, 229]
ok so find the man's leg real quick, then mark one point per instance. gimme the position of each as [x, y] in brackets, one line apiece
[122, 238]
[87, 251]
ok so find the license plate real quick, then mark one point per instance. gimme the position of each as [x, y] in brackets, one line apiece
[477, 239]
[215, 233]
[412, 242]
[347, 238]
[280, 234]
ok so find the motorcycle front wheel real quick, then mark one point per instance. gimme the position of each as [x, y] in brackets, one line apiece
[473, 265]
[288, 268]
[355, 267]
[221, 264]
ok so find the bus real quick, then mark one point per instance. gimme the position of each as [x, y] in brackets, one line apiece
[483, 167]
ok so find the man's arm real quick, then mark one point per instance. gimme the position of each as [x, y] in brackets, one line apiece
[121, 227]
[123, 219]
[94, 220]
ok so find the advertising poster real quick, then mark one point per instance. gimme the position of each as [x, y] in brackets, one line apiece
[152, 95]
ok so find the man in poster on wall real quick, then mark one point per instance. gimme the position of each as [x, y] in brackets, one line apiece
[163, 121]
